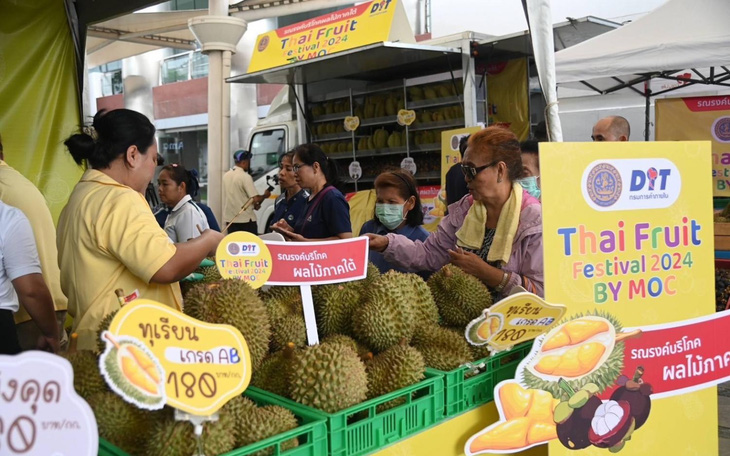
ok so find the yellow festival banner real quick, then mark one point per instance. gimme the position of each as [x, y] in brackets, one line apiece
[368, 23]
[628, 247]
[700, 118]
[507, 96]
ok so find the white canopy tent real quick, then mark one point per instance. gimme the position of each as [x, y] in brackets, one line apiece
[679, 35]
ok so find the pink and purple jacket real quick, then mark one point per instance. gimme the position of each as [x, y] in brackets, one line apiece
[525, 263]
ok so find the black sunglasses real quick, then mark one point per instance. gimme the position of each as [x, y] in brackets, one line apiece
[470, 172]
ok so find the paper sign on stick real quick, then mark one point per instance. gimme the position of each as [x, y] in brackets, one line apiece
[244, 256]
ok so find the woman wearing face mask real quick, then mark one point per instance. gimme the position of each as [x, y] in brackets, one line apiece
[397, 210]
[327, 214]
[290, 205]
[530, 168]
[494, 233]
[186, 220]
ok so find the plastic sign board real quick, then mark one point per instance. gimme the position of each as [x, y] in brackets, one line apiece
[360, 25]
[700, 118]
[244, 256]
[156, 355]
[318, 263]
[40, 412]
[628, 243]
[515, 319]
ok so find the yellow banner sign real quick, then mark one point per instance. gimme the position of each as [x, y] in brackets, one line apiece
[244, 256]
[156, 355]
[507, 96]
[515, 319]
[372, 22]
[700, 118]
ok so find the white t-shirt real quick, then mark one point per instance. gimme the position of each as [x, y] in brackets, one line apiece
[18, 253]
[180, 224]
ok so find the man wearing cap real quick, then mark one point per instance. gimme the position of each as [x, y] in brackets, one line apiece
[238, 188]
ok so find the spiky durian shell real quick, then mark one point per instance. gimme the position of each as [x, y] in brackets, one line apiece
[333, 307]
[103, 326]
[286, 315]
[119, 422]
[168, 437]
[605, 376]
[272, 374]
[361, 349]
[328, 376]
[460, 297]
[424, 304]
[87, 377]
[480, 351]
[442, 348]
[395, 368]
[387, 315]
[264, 422]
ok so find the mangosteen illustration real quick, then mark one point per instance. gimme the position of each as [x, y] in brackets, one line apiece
[611, 424]
[573, 416]
[637, 393]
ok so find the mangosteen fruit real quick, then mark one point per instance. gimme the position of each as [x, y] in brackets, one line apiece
[637, 393]
[573, 416]
[611, 424]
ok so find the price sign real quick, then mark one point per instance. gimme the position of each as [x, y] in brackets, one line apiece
[40, 412]
[244, 256]
[406, 117]
[409, 165]
[355, 170]
[156, 355]
[513, 320]
[351, 123]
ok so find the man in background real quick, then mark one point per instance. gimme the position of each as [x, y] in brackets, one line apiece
[455, 183]
[612, 128]
[238, 188]
[19, 192]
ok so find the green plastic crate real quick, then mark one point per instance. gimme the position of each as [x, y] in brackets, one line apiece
[312, 433]
[361, 429]
[462, 394]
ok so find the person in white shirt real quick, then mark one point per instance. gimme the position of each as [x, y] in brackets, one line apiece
[186, 220]
[21, 282]
[238, 188]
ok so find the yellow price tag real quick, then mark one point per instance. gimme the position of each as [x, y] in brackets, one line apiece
[515, 319]
[406, 117]
[157, 355]
[244, 256]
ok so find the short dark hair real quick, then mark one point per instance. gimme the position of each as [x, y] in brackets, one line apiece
[289, 154]
[310, 154]
[463, 143]
[530, 147]
[109, 136]
[180, 175]
[241, 155]
[404, 183]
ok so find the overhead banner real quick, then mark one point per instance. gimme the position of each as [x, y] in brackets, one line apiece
[372, 22]
[628, 247]
[507, 94]
[700, 118]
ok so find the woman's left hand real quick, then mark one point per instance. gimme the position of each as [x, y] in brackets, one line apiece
[468, 262]
[289, 234]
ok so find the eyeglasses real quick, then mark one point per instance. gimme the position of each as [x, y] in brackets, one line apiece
[470, 172]
[297, 167]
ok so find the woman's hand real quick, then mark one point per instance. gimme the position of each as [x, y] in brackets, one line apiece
[285, 229]
[469, 263]
[377, 242]
[282, 225]
[214, 238]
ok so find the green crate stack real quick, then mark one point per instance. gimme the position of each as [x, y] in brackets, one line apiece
[464, 393]
[311, 433]
[362, 429]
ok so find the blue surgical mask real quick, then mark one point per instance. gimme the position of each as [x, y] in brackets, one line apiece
[390, 215]
[530, 184]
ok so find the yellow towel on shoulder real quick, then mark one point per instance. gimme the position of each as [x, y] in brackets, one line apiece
[471, 234]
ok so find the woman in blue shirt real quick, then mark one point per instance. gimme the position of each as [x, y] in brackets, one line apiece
[397, 210]
[292, 202]
[327, 214]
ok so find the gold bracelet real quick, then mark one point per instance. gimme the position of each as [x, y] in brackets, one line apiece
[503, 283]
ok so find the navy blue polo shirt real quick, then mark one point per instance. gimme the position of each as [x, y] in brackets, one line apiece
[414, 233]
[291, 209]
[326, 215]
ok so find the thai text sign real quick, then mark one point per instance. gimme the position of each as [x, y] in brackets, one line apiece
[316, 263]
[156, 355]
[40, 412]
[372, 22]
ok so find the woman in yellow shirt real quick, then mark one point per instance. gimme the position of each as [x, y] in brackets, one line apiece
[108, 237]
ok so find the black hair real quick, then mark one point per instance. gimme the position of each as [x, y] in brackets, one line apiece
[110, 135]
[463, 142]
[289, 154]
[529, 147]
[310, 154]
[406, 186]
[180, 175]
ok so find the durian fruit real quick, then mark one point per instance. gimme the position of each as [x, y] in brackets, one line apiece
[239, 407]
[119, 422]
[442, 348]
[333, 306]
[429, 93]
[103, 326]
[395, 368]
[286, 315]
[272, 373]
[460, 297]
[423, 303]
[362, 350]
[235, 303]
[479, 351]
[380, 138]
[264, 422]
[87, 377]
[387, 314]
[168, 437]
[604, 374]
[328, 376]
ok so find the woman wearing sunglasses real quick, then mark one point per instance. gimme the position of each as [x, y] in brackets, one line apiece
[493, 233]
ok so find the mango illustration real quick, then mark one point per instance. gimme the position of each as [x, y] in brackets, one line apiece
[526, 420]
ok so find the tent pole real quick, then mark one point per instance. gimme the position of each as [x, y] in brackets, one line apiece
[647, 95]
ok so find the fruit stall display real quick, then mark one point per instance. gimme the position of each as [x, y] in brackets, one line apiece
[380, 142]
[376, 377]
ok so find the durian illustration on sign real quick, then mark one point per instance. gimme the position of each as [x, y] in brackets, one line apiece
[132, 371]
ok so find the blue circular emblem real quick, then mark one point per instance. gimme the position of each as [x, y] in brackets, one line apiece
[604, 185]
[721, 129]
